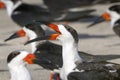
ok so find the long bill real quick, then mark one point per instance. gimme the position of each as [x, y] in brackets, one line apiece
[47, 37]
[102, 18]
[20, 33]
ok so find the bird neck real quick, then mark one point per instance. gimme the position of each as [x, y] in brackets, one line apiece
[114, 19]
[33, 35]
[34, 44]
[70, 57]
[19, 73]
[11, 6]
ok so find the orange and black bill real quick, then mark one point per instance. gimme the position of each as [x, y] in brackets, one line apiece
[51, 25]
[36, 59]
[102, 18]
[20, 33]
[47, 37]
[30, 58]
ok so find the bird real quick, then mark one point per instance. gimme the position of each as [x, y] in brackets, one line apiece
[22, 13]
[74, 68]
[31, 30]
[17, 61]
[112, 15]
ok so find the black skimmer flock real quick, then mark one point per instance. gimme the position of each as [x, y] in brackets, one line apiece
[73, 67]
[48, 50]
[112, 15]
[16, 61]
[45, 49]
[23, 13]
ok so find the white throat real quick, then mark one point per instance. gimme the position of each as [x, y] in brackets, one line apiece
[114, 20]
[70, 56]
[17, 67]
[19, 73]
[114, 17]
[32, 35]
[11, 6]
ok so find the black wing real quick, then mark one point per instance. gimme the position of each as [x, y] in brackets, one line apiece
[53, 53]
[116, 28]
[25, 14]
[96, 71]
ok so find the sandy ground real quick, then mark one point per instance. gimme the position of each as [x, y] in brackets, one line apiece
[96, 40]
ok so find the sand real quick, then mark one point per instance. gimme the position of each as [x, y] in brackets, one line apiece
[98, 40]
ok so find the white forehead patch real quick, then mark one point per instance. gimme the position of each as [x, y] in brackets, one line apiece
[114, 16]
[63, 29]
[31, 34]
[18, 60]
[113, 13]
[22, 54]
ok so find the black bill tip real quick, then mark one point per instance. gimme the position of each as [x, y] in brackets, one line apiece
[12, 37]
[97, 21]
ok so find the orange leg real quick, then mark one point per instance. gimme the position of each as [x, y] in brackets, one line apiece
[51, 76]
[54, 76]
[58, 77]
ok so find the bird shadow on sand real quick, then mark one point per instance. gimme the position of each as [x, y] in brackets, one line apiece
[84, 19]
[87, 36]
[4, 44]
[90, 18]
[98, 58]
[3, 70]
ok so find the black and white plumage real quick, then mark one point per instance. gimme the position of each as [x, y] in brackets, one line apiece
[95, 71]
[116, 27]
[114, 12]
[113, 15]
[48, 50]
[45, 50]
[73, 66]
[16, 61]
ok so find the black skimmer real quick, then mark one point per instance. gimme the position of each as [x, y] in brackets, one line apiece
[16, 61]
[17, 64]
[73, 67]
[112, 15]
[31, 30]
[22, 13]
